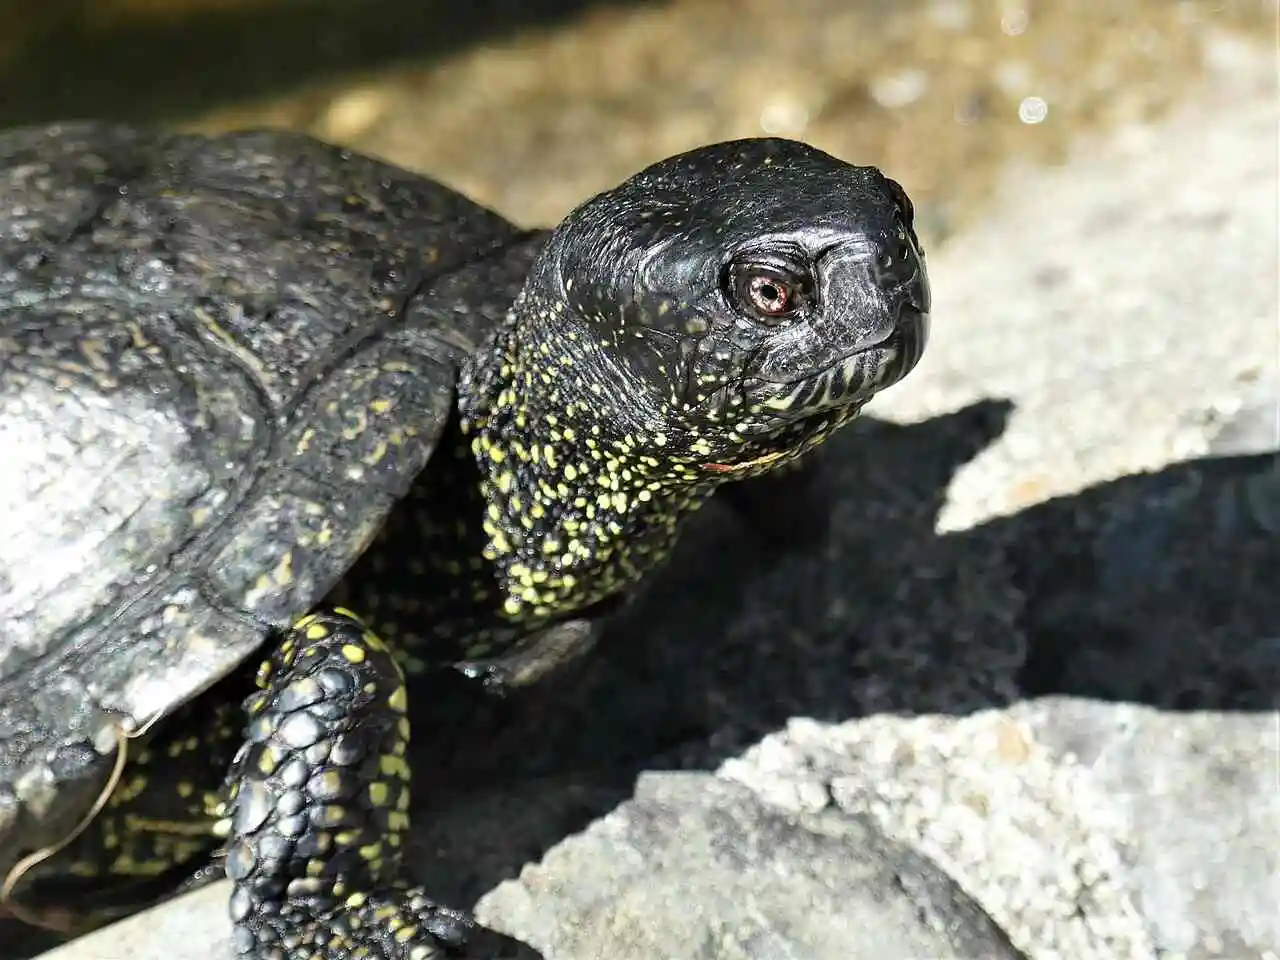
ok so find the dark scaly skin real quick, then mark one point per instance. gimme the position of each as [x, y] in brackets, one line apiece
[622, 390]
[318, 806]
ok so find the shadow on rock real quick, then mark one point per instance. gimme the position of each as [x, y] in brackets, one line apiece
[1155, 588]
[69, 64]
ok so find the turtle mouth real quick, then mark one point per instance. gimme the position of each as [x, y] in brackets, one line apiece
[852, 379]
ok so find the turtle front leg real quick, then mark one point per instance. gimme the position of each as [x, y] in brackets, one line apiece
[317, 811]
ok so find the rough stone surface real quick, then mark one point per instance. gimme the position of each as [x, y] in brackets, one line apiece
[1086, 830]
[1035, 653]
[693, 867]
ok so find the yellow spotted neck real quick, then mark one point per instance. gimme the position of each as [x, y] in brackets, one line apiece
[575, 508]
[571, 519]
[585, 475]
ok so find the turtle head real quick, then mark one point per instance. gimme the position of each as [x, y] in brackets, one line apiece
[735, 302]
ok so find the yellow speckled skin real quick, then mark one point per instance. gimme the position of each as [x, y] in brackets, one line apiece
[319, 797]
[272, 337]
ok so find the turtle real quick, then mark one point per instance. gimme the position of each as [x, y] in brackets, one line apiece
[286, 430]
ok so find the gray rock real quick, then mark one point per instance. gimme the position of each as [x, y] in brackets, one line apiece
[696, 867]
[1030, 838]
[1195, 796]
[194, 927]
[1087, 830]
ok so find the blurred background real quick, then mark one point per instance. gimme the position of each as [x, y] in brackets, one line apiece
[531, 105]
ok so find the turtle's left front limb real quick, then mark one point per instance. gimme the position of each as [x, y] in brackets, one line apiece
[318, 812]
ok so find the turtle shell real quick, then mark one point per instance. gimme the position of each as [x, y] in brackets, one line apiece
[212, 394]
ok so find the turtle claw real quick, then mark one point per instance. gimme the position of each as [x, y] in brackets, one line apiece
[535, 658]
[395, 924]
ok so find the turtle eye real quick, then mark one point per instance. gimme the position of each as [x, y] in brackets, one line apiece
[766, 292]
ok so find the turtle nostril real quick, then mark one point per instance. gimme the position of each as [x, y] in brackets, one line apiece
[895, 266]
